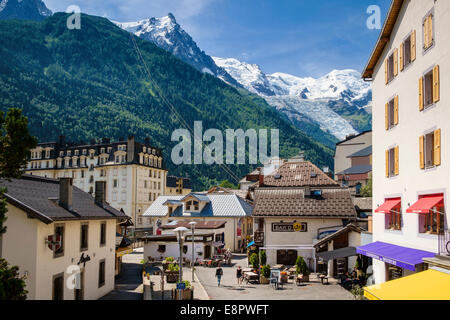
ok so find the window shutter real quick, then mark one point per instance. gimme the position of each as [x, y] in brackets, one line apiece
[386, 71]
[401, 56]
[436, 85]
[387, 163]
[386, 116]
[426, 32]
[396, 161]
[430, 30]
[413, 46]
[421, 93]
[395, 62]
[421, 152]
[396, 110]
[437, 147]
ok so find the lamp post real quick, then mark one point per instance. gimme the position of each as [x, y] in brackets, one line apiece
[180, 231]
[192, 224]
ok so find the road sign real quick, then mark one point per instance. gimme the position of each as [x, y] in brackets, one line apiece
[181, 286]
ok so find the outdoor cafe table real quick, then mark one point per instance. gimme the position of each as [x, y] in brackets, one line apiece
[250, 276]
[246, 270]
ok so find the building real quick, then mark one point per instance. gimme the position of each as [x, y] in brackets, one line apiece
[357, 175]
[200, 207]
[134, 172]
[176, 185]
[346, 148]
[295, 207]
[54, 229]
[409, 67]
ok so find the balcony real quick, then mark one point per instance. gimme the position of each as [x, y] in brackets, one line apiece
[444, 243]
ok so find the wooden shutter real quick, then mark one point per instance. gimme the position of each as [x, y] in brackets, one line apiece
[421, 152]
[421, 93]
[395, 62]
[436, 85]
[386, 71]
[401, 56]
[430, 30]
[396, 110]
[396, 161]
[386, 116]
[437, 147]
[413, 46]
[387, 163]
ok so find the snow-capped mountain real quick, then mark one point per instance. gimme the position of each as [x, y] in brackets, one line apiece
[166, 33]
[332, 101]
[23, 9]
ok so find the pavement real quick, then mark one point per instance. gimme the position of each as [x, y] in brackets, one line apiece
[129, 282]
[229, 290]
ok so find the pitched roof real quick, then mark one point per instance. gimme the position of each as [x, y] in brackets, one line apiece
[383, 38]
[199, 196]
[363, 203]
[357, 170]
[347, 228]
[219, 205]
[351, 137]
[199, 225]
[298, 174]
[335, 202]
[362, 153]
[38, 196]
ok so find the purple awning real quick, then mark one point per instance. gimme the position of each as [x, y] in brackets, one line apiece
[402, 257]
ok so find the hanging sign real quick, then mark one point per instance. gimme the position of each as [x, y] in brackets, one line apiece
[290, 227]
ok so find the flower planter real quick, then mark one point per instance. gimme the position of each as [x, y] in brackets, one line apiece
[284, 278]
[186, 294]
[264, 280]
[172, 277]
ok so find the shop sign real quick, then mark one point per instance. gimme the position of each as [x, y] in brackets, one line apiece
[290, 227]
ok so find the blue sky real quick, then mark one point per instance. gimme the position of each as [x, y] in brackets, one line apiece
[300, 37]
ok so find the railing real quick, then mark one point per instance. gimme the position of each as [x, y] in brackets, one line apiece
[444, 243]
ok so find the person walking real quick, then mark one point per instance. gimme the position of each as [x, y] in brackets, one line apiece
[219, 274]
[239, 276]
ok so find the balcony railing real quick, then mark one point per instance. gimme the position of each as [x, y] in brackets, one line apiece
[444, 243]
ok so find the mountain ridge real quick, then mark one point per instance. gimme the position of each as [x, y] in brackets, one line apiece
[24, 10]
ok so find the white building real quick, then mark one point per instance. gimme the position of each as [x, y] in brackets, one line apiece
[42, 210]
[134, 172]
[203, 208]
[410, 68]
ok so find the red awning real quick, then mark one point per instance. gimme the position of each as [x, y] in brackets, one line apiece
[425, 204]
[388, 205]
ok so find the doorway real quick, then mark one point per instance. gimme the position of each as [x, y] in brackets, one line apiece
[207, 250]
[287, 257]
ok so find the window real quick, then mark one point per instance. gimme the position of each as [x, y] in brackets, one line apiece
[82, 173]
[123, 159]
[117, 159]
[433, 222]
[149, 197]
[101, 274]
[91, 179]
[428, 31]
[408, 51]
[145, 184]
[102, 234]
[84, 152]
[61, 153]
[430, 149]
[84, 237]
[102, 150]
[59, 231]
[47, 154]
[196, 205]
[109, 149]
[429, 88]
[391, 113]
[393, 219]
[115, 183]
[139, 219]
[391, 66]
[58, 287]
[77, 152]
[392, 162]
[161, 248]
[150, 173]
[69, 153]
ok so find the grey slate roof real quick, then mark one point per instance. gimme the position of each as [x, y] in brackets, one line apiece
[38, 196]
[198, 196]
[357, 170]
[220, 205]
[362, 153]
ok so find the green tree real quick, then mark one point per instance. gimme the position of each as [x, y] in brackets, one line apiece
[254, 260]
[263, 257]
[227, 184]
[301, 267]
[366, 191]
[15, 145]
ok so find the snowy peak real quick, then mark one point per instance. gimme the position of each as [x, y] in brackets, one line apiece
[167, 34]
[24, 10]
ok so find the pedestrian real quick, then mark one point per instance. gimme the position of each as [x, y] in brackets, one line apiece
[239, 276]
[219, 274]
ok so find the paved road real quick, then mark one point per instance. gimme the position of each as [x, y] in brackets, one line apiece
[129, 281]
[230, 291]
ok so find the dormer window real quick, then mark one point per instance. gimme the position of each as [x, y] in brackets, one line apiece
[84, 152]
[196, 205]
[102, 150]
[144, 149]
[77, 152]
[61, 153]
[69, 153]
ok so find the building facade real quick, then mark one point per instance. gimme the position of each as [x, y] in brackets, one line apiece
[409, 68]
[134, 172]
[56, 233]
[295, 207]
[177, 185]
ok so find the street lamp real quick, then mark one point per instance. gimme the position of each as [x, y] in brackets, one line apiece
[180, 231]
[192, 224]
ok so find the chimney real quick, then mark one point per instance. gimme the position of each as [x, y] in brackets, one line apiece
[100, 192]
[130, 149]
[261, 177]
[65, 193]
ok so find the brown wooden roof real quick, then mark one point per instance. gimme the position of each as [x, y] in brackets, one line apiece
[384, 38]
[298, 174]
